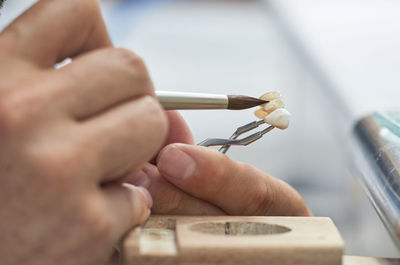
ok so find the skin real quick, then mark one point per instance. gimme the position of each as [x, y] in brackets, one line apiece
[62, 162]
[212, 183]
[71, 184]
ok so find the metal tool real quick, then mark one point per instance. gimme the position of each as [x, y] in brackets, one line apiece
[375, 149]
[233, 140]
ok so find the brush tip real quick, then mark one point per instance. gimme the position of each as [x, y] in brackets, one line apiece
[238, 102]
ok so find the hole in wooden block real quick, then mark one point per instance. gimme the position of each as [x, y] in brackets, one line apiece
[239, 228]
[158, 238]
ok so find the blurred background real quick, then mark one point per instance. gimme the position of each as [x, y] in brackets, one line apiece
[334, 61]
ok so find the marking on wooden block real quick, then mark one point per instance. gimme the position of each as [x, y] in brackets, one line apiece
[157, 241]
[239, 228]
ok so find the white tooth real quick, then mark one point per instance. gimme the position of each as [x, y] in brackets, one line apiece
[271, 96]
[279, 118]
[273, 105]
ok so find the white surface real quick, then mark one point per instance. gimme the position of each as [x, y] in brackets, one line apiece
[355, 42]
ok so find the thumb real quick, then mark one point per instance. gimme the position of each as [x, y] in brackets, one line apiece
[236, 188]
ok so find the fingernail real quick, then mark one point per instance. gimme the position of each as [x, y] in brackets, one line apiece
[147, 196]
[175, 163]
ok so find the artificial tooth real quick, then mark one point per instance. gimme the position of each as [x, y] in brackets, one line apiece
[271, 96]
[273, 105]
[279, 118]
[260, 113]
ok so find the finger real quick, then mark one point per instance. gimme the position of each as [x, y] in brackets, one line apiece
[167, 198]
[51, 31]
[128, 206]
[236, 188]
[102, 79]
[125, 137]
[179, 131]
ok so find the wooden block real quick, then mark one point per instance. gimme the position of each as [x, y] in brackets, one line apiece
[206, 240]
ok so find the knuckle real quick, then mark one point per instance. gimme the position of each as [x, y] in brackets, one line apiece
[59, 164]
[93, 4]
[10, 36]
[88, 8]
[133, 69]
[217, 182]
[17, 110]
[129, 59]
[219, 175]
[262, 200]
[223, 171]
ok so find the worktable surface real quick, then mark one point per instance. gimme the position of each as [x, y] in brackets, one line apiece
[353, 260]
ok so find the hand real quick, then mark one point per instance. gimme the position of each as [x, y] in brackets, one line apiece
[69, 136]
[194, 180]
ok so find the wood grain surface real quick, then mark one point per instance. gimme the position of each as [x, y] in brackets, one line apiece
[234, 240]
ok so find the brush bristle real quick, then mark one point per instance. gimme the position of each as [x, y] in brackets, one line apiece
[237, 102]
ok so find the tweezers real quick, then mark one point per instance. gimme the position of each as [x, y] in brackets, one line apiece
[233, 140]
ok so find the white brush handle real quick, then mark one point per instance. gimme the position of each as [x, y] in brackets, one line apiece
[183, 100]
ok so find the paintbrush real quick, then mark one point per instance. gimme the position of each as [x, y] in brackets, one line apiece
[183, 100]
